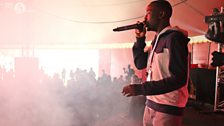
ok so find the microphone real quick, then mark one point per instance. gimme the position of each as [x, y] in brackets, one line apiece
[139, 26]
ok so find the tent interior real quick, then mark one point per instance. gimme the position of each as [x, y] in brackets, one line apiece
[30, 27]
[59, 37]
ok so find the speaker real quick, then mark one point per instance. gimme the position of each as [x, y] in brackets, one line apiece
[204, 81]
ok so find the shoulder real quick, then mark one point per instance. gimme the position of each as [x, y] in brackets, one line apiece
[176, 36]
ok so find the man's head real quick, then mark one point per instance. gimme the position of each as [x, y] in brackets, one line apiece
[158, 14]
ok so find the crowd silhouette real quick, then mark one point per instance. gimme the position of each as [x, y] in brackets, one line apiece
[87, 99]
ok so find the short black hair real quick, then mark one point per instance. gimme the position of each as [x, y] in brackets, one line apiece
[164, 5]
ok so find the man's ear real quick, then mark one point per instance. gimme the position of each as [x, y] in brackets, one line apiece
[162, 14]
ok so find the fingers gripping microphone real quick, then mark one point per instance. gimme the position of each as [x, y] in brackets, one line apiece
[139, 26]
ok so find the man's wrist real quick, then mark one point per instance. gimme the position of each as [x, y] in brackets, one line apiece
[140, 36]
[138, 88]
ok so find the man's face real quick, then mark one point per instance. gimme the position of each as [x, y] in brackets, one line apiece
[152, 17]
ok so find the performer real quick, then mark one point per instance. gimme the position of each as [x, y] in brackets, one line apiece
[166, 85]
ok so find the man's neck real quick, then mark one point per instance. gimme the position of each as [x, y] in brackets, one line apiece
[162, 26]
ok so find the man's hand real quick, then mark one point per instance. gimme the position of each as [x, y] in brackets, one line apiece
[217, 59]
[140, 33]
[132, 90]
[128, 91]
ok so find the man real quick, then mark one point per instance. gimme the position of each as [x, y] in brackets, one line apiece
[130, 72]
[166, 84]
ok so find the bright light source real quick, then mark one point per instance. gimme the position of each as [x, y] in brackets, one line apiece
[54, 61]
[20, 7]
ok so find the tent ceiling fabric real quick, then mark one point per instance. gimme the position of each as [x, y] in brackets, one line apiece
[33, 22]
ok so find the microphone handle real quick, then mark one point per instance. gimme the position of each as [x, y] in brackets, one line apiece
[129, 27]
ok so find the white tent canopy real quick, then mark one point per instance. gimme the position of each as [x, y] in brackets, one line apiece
[41, 22]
